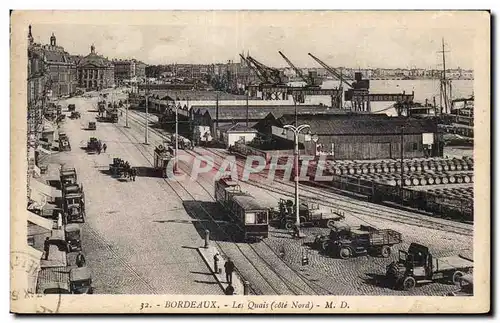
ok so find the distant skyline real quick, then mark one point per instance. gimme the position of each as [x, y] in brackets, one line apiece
[349, 39]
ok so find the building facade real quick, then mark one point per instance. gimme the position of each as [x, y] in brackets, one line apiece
[128, 69]
[60, 69]
[95, 72]
[362, 136]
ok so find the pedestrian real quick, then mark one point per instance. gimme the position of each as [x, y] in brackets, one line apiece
[104, 148]
[46, 248]
[229, 268]
[59, 221]
[134, 173]
[229, 290]
[295, 233]
[80, 259]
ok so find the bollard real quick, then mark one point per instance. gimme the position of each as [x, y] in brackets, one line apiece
[216, 263]
[207, 238]
[246, 288]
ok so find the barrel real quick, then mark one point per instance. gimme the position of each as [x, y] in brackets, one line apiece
[415, 181]
[425, 166]
[408, 182]
[351, 171]
[398, 182]
[451, 179]
[364, 170]
[444, 180]
[392, 169]
[386, 169]
[459, 179]
[338, 171]
[452, 167]
[430, 180]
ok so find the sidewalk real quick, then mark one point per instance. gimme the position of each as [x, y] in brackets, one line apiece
[208, 256]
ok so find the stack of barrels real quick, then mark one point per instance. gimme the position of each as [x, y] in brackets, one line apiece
[431, 171]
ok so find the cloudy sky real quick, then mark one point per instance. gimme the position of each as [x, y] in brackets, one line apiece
[364, 40]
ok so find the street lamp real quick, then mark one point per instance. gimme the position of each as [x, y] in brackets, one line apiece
[296, 131]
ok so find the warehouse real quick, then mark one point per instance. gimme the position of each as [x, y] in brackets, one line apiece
[357, 136]
[200, 118]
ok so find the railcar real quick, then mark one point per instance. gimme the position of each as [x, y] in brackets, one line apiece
[250, 216]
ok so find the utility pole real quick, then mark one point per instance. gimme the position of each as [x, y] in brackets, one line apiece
[147, 115]
[246, 90]
[402, 157]
[176, 136]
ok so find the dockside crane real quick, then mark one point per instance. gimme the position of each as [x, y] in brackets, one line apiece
[332, 71]
[309, 81]
[257, 72]
[272, 75]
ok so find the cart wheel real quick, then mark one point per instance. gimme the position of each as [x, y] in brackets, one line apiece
[385, 251]
[456, 276]
[409, 283]
[324, 245]
[288, 225]
[330, 224]
[345, 253]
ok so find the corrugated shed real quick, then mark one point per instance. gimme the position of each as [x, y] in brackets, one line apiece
[375, 124]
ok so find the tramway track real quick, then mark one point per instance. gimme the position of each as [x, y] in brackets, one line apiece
[279, 288]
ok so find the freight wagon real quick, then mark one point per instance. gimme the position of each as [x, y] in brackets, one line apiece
[243, 150]
[247, 213]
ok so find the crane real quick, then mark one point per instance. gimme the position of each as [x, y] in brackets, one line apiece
[272, 75]
[257, 72]
[308, 80]
[331, 70]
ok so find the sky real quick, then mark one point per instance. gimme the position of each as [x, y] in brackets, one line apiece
[356, 40]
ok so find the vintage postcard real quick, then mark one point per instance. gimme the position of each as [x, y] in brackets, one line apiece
[250, 162]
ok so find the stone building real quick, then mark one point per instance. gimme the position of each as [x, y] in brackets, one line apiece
[128, 69]
[60, 68]
[95, 71]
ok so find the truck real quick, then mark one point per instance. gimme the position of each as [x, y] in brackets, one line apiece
[419, 266]
[310, 214]
[345, 241]
[67, 175]
[162, 156]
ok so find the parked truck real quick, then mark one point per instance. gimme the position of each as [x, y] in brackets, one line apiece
[419, 266]
[310, 214]
[346, 242]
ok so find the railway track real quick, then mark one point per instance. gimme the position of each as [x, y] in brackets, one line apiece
[278, 285]
[353, 206]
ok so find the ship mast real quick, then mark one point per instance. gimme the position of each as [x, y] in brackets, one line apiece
[444, 81]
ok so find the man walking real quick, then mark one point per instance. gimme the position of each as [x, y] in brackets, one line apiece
[229, 268]
[104, 148]
[46, 248]
[80, 259]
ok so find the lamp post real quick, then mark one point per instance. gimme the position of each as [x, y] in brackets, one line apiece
[296, 131]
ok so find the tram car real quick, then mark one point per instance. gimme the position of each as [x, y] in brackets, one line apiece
[251, 216]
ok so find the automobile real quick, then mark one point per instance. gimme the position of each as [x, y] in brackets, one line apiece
[71, 107]
[72, 233]
[92, 125]
[466, 284]
[80, 281]
[54, 288]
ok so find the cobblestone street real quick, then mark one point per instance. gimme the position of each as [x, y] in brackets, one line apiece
[137, 238]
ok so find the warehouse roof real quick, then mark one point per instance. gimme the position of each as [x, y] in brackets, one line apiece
[358, 124]
[255, 112]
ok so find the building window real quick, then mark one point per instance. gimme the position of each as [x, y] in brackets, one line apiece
[242, 139]
[415, 146]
